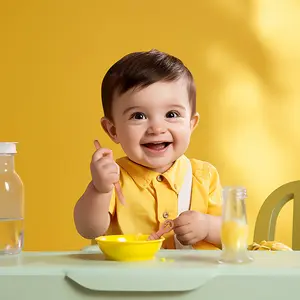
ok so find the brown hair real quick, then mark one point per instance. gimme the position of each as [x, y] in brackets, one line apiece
[141, 69]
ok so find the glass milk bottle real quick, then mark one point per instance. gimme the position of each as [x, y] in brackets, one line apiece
[234, 232]
[11, 202]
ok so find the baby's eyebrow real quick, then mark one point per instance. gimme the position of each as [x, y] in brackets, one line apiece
[177, 106]
[128, 109]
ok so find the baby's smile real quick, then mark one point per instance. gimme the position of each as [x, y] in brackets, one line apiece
[156, 147]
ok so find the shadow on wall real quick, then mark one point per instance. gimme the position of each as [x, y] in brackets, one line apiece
[232, 62]
[243, 102]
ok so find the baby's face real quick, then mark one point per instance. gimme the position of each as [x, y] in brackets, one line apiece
[154, 125]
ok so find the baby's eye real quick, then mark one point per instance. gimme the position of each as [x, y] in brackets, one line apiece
[172, 114]
[138, 116]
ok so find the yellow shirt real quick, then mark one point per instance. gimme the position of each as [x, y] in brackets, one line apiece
[151, 197]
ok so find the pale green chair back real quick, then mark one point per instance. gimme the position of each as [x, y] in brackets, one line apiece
[267, 217]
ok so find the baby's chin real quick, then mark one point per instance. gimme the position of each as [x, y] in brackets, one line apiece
[158, 165]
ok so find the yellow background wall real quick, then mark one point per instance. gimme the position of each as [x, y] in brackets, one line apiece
[245, 56]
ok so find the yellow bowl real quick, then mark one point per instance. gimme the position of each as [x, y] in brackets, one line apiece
[128, 247]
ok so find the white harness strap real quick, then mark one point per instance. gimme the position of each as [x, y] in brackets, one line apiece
[184, 200]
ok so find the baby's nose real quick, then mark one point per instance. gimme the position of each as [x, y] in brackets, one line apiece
[156, 130]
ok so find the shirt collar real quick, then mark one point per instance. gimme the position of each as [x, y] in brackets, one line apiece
[143, 176]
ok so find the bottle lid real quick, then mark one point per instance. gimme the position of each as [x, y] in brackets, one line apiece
[239, 192]
[8, 147]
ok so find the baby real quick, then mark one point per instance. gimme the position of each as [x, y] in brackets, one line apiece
[149, 102]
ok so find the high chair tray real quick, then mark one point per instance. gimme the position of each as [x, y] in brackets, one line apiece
[180, 274]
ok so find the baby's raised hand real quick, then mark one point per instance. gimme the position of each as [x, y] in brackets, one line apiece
[191, 227]
[105, 171]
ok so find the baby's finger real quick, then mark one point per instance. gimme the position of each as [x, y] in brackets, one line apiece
[97, 144]
[181, 221]
[110, 168]
[181, 230]
[105, 160]
[186, 238]
[113, 177]
[100, 153]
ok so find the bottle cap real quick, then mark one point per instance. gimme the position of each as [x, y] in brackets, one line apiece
[8, 147]
[239, 192]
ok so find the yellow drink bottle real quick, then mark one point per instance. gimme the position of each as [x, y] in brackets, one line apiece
[234, 232]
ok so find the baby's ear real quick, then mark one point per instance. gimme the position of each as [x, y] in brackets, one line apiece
[194, 121]
[110, 129]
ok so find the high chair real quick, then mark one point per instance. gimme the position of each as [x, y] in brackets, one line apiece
[267, 217]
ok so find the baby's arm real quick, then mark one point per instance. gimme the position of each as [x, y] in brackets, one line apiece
[214, 212]
[91, 213]
[214, 230]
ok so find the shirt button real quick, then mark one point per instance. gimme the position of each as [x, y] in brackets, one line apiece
[159, 178]
[165, 215]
